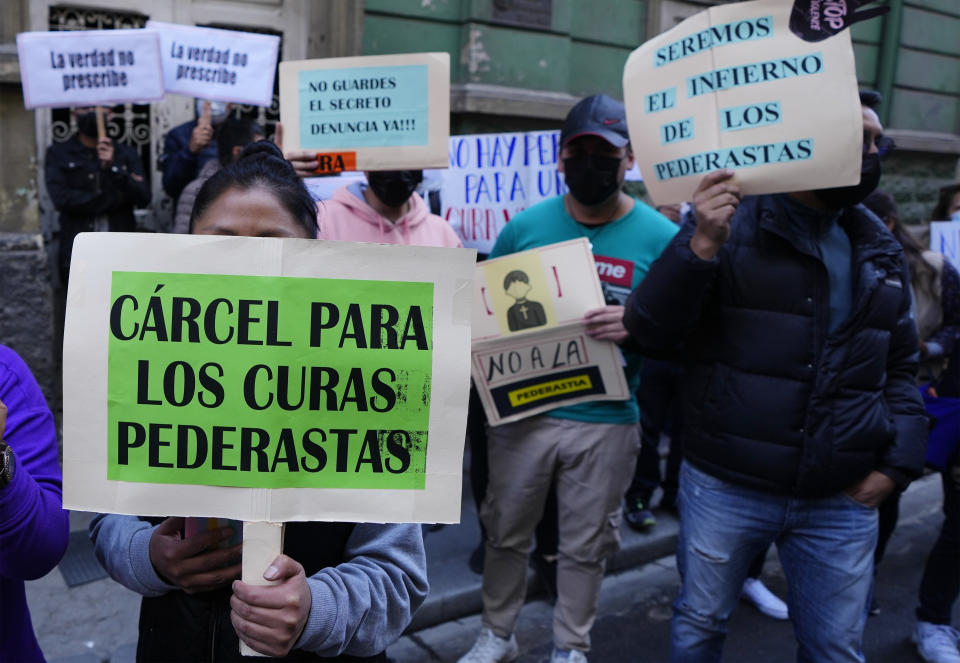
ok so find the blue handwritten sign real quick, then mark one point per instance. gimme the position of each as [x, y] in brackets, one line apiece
[945, 238]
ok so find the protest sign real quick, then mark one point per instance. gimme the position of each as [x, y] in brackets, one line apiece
[220, 65]
[530, 349]
[491, 177]
[733, 87]
[89, 68]
[379, 112]
[265, 379]
[945, 239]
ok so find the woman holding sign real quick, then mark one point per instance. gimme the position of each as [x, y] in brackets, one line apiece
[342, 591]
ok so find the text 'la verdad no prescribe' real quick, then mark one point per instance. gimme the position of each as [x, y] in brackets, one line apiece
[269, 381]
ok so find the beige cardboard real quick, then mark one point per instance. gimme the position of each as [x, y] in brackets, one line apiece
[823, 107]
[97, 255]
[262, 542]
[562, 285]
[381, 156]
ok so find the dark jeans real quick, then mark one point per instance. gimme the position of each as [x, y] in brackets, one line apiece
[941, 576]
[889, 512]
[661, 411]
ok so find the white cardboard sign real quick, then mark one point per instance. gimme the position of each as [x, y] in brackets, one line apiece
[492, 177]
[220, 65]
[377, 112]
[733, 87]
[89, 68]
[531, 352]
[945, 239]
[325, 381]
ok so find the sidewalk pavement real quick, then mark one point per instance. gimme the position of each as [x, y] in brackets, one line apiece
[97, 622]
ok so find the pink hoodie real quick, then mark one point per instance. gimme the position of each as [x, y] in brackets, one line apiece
[348, 217]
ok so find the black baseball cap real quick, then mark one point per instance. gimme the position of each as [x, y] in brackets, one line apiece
[598, 115]
[870, 98]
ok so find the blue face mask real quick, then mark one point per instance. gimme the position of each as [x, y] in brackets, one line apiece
[955, 216]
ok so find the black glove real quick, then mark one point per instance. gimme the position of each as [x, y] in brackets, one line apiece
[816, 20]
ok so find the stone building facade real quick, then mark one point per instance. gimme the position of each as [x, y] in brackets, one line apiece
[515, 65]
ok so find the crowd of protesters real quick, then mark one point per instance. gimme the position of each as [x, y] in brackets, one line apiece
[791, 347]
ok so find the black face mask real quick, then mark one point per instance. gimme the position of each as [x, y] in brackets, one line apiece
[394, 187]
[592, 179]
[845, 196]
[87, 124]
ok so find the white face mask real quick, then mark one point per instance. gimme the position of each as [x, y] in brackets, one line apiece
[218, 111]
[955, 216]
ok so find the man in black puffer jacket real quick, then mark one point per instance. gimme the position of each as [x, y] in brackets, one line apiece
[792, 313]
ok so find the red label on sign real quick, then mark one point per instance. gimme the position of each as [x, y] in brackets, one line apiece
[615, 271]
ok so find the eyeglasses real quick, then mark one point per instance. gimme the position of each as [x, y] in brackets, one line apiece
[884, 144]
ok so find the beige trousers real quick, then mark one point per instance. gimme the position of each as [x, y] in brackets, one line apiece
[593, 464]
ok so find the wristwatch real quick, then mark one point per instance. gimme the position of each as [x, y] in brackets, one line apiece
[7, 464]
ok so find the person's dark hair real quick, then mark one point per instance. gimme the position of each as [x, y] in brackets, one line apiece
[235, 133]
[871, 99]
[943, 203]
[882, 204]
[260, 165]
[515, 275]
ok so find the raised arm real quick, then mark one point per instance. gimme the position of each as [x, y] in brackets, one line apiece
[668, 303]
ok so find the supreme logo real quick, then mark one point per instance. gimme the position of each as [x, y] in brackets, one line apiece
[615, 271]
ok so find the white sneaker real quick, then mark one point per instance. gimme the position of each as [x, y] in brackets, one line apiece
[937, 643]
[763, 599]
[491, 648]
[567, 656]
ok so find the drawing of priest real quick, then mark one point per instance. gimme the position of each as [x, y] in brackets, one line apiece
[524, 313]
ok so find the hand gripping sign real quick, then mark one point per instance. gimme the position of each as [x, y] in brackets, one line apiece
[733, 87]
[265, 379]
[89, 68]
[531, 352]
[220, 65]
[380, 112]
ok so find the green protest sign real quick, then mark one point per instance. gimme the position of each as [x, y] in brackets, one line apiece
[263, 379]
[268, 382]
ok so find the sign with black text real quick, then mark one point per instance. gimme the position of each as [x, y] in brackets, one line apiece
[531, 352]
[89, 67]
[315, 384]
[732, 87]
[945, 239]
[378, 112]
[220, 65]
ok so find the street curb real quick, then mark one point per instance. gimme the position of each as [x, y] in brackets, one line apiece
[445, 604]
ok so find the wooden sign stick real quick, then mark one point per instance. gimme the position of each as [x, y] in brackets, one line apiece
[101, 125]
[262, 542]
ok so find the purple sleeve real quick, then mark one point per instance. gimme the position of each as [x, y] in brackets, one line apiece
[33, 525]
